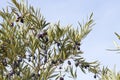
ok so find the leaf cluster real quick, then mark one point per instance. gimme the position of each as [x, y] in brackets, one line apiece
[108, 74]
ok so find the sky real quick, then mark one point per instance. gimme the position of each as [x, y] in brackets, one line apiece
[107, 19]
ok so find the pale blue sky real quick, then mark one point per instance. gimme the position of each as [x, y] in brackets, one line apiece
[107, 19]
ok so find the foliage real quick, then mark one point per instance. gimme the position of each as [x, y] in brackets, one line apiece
[108, 74]
[33, 49]
[116, 44]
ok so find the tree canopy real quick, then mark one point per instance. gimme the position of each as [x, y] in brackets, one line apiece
[31, 48]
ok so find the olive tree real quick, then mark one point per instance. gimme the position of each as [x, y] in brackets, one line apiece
[32, 48]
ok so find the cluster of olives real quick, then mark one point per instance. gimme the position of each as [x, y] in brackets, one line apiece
[57, 61]
[76, 45]
[30, 57]
[76, 63]
[19, 19]
[85, 66]
[14, 66]
[43, 36]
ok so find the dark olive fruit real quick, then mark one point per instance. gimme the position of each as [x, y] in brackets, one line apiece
[58, 44]
[40, 35]
[53, 62]
[45, 60]
[87, 65]
[69, 63]
[17, 20]
[30, 55]
[78, 48]
[77, 64]
[34, 57]
[95, 76]
[11, 73]
[19, 60]
[78, 44]
[7, 75]
[60, 67]
[61, 78]
[29, 59]
[22, 20]
[46, 39]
